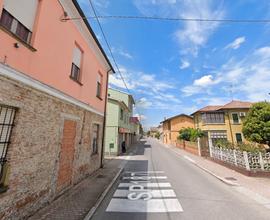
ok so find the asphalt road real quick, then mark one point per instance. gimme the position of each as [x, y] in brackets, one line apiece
[158, 184]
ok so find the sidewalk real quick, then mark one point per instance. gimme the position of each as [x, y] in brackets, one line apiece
[256, 187]
[77, 202]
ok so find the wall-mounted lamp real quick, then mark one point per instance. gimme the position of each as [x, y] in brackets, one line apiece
[16, 45]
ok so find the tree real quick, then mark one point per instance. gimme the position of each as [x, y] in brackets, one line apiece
[256, 126]
[190, 134]
[184, 134]
[157, 135]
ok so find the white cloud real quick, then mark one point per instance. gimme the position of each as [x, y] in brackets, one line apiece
[154, 90]
[195, 35]
[236, 43]
[141, 117]
[248, 79]
[143, 103]
[263, 51]
[200, 85]
[122, 53]
[191, 35]
[204, 81]
[184, 64]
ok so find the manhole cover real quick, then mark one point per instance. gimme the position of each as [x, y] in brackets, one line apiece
[230, 178]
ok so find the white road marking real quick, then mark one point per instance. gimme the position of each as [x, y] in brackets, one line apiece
[153, 205]
[143, 193]
[150, 185]
[165, 193]
[147, 177]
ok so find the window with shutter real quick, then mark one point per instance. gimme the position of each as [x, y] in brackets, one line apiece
[99, 87]
[19, 22]
[76, 64]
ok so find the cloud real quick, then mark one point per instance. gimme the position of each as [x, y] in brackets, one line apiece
[204, 81]
[236, 43]
[122, 53]
[141, 117]
[143, 103]
[194, 35]
[200, 85]
[146, 86]
[184, 64]
[191, 35]
[263, 52]
[248, 78]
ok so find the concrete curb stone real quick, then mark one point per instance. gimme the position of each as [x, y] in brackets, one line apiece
[103, 195]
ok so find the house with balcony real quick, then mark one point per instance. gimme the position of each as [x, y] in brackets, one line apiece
[171, 127]
[222, 122]
[121, 126]
[53, 91]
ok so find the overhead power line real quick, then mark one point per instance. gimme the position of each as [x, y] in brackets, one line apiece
[108, 45]
[110, 50]
[132, 17]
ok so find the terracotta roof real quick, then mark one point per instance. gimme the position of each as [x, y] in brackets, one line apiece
[231, 105]
[237, 104]
[176, 116]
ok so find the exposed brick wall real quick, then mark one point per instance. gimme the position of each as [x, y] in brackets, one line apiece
[66, 155]
[34, 152]
[189, 147]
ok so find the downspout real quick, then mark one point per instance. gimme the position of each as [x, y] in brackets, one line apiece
[230, 126]
[104, 121]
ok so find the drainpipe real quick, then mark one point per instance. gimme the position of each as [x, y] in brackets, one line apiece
[104, 121]
[230, 126]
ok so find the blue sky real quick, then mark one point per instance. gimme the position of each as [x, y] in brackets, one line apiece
[174, 67]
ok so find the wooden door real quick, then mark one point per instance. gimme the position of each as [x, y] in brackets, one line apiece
[66, 155]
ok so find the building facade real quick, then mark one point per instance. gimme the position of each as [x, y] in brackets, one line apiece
[53, 84]
[120, 125]
[222, 122]
[173, 125]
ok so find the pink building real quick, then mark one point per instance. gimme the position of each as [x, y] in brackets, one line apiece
[53, 89]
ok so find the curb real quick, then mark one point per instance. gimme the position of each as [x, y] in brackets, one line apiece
[100, 199]
[228, 182]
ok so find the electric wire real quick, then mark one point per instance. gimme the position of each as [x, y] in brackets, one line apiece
[108, 45]
[133, 17]
[110, 50]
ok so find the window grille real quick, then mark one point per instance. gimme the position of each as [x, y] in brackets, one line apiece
[7, 115]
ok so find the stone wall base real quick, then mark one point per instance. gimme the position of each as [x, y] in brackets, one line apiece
[35, 150]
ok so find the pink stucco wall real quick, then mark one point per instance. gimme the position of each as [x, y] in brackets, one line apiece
[51, 63]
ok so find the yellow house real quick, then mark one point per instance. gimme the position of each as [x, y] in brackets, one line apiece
[171, 127]
[223, 122]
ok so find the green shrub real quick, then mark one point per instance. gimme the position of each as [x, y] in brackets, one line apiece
[190, 134]
[249, 147]
[224, 144]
